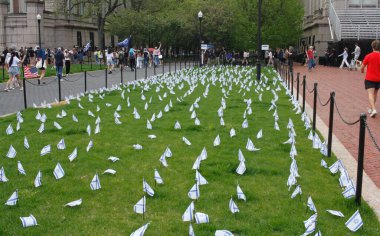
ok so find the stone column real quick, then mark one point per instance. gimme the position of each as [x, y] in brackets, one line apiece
[3, 17]
[33, 8]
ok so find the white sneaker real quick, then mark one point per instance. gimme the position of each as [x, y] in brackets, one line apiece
[369, 110]
[373, 113]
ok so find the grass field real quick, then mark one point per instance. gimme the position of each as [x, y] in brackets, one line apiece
[269, 210]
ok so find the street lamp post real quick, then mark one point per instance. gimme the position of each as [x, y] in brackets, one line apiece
[39, 35]
[258, 65]
[200, 16]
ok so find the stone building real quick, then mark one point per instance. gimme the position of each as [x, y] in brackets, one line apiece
[19, 25]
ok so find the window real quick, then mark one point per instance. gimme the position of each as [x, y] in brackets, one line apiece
[79, 39]
[363, 3]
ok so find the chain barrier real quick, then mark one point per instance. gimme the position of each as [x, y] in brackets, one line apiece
[72, 81]
[323, 104]
[42, 83]
[310, 91]
[92, 75]
[341, 117]
[371, 136]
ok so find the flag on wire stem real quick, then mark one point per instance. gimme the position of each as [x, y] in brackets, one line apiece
[296, 192]
[197, 163]
[26, 143]
[9, 130]
[37, 180]
[45, 150]
[311, 205]
[74, 203]
[12, 201]
[140, 206]
[233, 207]
[42, 128]
[240, 193]
[140, 231]
[163, 160]
[310, 224]
[187, 142]
[3, 178]
[20, 168]
[95, 183]
[189, 213]
[194, 192]
[203, 154]
[109, 171]
[90, 145]
[61, 145]
[157, 177]
[147, 188]
[232, 132]
[87, 47]
[241, 156]
[11, 152]
[217, 141]
[324, 164]
[56, 125]
[201, 218]
[58, 171]
[191, 230]
[250, 146]
[73, 155]
[199, 178]
[75, 119]
[113, 159]
[223, 233]
[28, 221]
[31, 72]
[335, 213]
[241, 168]
[259, 134]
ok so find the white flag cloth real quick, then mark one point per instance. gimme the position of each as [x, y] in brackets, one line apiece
[137, 146]
[201, 218]
[90, 145]
[349, 192]
[168, 152]
[217, 141]
[58, 171]
[97, 129]
[222, 121]
[319, 232]
[259, 134]
[109, 171]
[223, 233]
[140, 206]
[18, 127]
[297, 191]
[276, 126]
[324, 164]
[157, 177]
[20, 168]
[88, 129]
[193, 115]
[148, 124]
[28, 221]
[335, 213]
[191, 230]
[9, 130]
[98, 120]
[75, 119]
[147, 188]
[37, 180]
[117, 121]
[199, 178]
[95, 183]
[177, 125]
[45, 150]
[113, 159]
[159, 115]
[240, 193]
[90, 113]
[3, 178]
[152, 136]
[73, 155]
[197, 163]
[140, 231]
[311, 205]
[163, 160]
[244, 125]
[153, 118]
[355, 222]
[250, 146]
[241, 156]
[197, 121]
[194, 192]
[233, 207]
[232, 132]
[136, 115]
[118, 108]
[189, 213]
[203, 154]
[56, 125]
[241, 168]
[74, 203]
[334, 168]
[11, 152]
[26, 143]
[61, 144]
[186, 141]
[42, 128]
[12, 201]
[309, 222]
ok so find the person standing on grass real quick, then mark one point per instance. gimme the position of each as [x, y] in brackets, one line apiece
[372, 77]
[344, 61]
[59, 58]
[67, 55]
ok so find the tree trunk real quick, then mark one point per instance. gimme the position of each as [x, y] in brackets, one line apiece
[101, 37]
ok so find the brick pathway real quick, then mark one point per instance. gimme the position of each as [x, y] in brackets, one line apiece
[351, 99]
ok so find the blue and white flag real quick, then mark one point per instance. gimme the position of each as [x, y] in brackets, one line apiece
[244, 125]
[240, 193]
[191, 230]
[311, 205]
[223, 233]
[3, 178]
[28, 221]
[312, 219]
[97, 121]
[203, 155]
[201, 218]
[148, 125]
[89, 112]
[296, 192]
[109, 171]
[335, 213]
[197, 122]
[117, 121]
[43, 118]
[349, 192]
[58, 171]
[20, 168]
[11, 152]
[95, 183]
[73, 155]
[168, 152]
[26, 143]
[18, 126]
[189, 213]
[163, 161]
[38, 179]
[140, 206]
[90, 145]
[334, 168]
[241, 168]
[45, 150]
[61, 145]
[9, 130]
[222, 123]
[199, 178]
[324, 164]
[318, 233]
[355, 222]
[97, 129]
[88, 46]
[233, 207]
[194, 192]
[124, 43]
[157, 177]
[197, 163]
[140, 231]
[137, 146]
[147, 188]
[74, 203]
[12, 201]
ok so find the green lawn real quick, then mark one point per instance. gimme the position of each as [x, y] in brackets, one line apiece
[269, 210]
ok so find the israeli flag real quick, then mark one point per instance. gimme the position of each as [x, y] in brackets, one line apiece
[311, 205]
[148, 125]
[95, 183]
[116, 115]
[191, 230]
[197, 164]
[199, 178]
[159, 115]
[233, 207]
[203, 154]
[244, 125]
[335, 213]
[45, 150]
[137, 147]
[177, 125]
[259, 134]
[167, 108]
[232, 132]
[153, 118]
[334, 168]
[241, 156]
[118, 108]
[97, 129]
[12, 201]
[186, 141]
[58, 171]
[43, 118]
[163, 160]
[140, 206]
[220, 112]
[3, 178]
[189, 213]
[194, 192]
[157, 177]
[193, 115]
[147, 188]
[113, 159]
[140, 231]
[240, 193]
[201, 218]
[37, 180]
[42, 128]
[61, 145]
[223, 233]
[222, 121]
[152, 136]
[168, 152]
[250, 146]
[74, 203]
[349, 192]
[28, 221]
[9, 130]
[297, 191]
[241, 168]
[88, 46]
[98, 120]
[90, 145]
[18, 127]
[276, 126]
[217, 141]
[310, 229]
[26, 143]
[11, 152]
[20, 168]
[73, 155]
[88, 129]
[56, 125]
[324, 164]
[309, 222]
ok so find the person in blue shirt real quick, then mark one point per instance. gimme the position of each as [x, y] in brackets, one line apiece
[59, 58]
[41, 60]
[132, 58]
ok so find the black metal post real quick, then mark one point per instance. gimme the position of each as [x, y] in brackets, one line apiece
[59, 87]
[304, 93]
[23, 85]
[39, 38]
[121, 76]
[200, 41]
[359, 178]
[154, 68]
[170, 62]
[331, 123]
[185, 60]
[146, 70]
[298, 85]
[292, 81]
[258, 64]
[135, 72]
[106, 78]
[3, 72]
[163, 65]
[85, 81]
[180, 62]
[175, 65]
[315, 105]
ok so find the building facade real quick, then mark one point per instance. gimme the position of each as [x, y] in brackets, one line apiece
[19, 25]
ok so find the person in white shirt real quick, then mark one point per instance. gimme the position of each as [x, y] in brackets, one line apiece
[156, 53]
[14, 71]
[356, 53]
[345, 56]
[109, 56]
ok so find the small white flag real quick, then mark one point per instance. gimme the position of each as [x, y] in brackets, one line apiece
[11, 152]
[186, 141]
[163, 160]
[88, 129]
[113, 159]
[147, 188]
[97, 108]
[309, 222]
[140, 206]
[42, 128]
[189, 213]
[355, 222]
[56, 125]
[61, 144]
[73, 155]
[168, 152]
[90, 145]
[28, 221]
[217, 141]
[109, 171]
[244, 125]
[233, 207]
[137, 147]
[9, 130]
[75, 119]
[223, 233]
[334, 168]
[241, 168]
[20, 168]
[349, 192]
[194, 192]
[296, 192]
[58, 171]
[276, 127]
[222, 121]
[98, 120]
[90, 113]
[199, 178]
[311, 205]
[240, 193]
[95, 183]
[12, 201]
[191, 230]
[97, 129]
[118, 108]
[201, 218]
[177, 125]
[259, 134]
[117, 121]
[26, 143]
[152, 136]
[148, 124]
[157, 177]
[197, 163]
[324, 164]
[140, 231]
[193, 115]
[74, 203]
[18, 126]
[3, 178]
[45, 150]
[232, 132]
[203, 154]
[250, 146]
[241, 156]
[37, 180]
[335, 213]
[159, 115]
